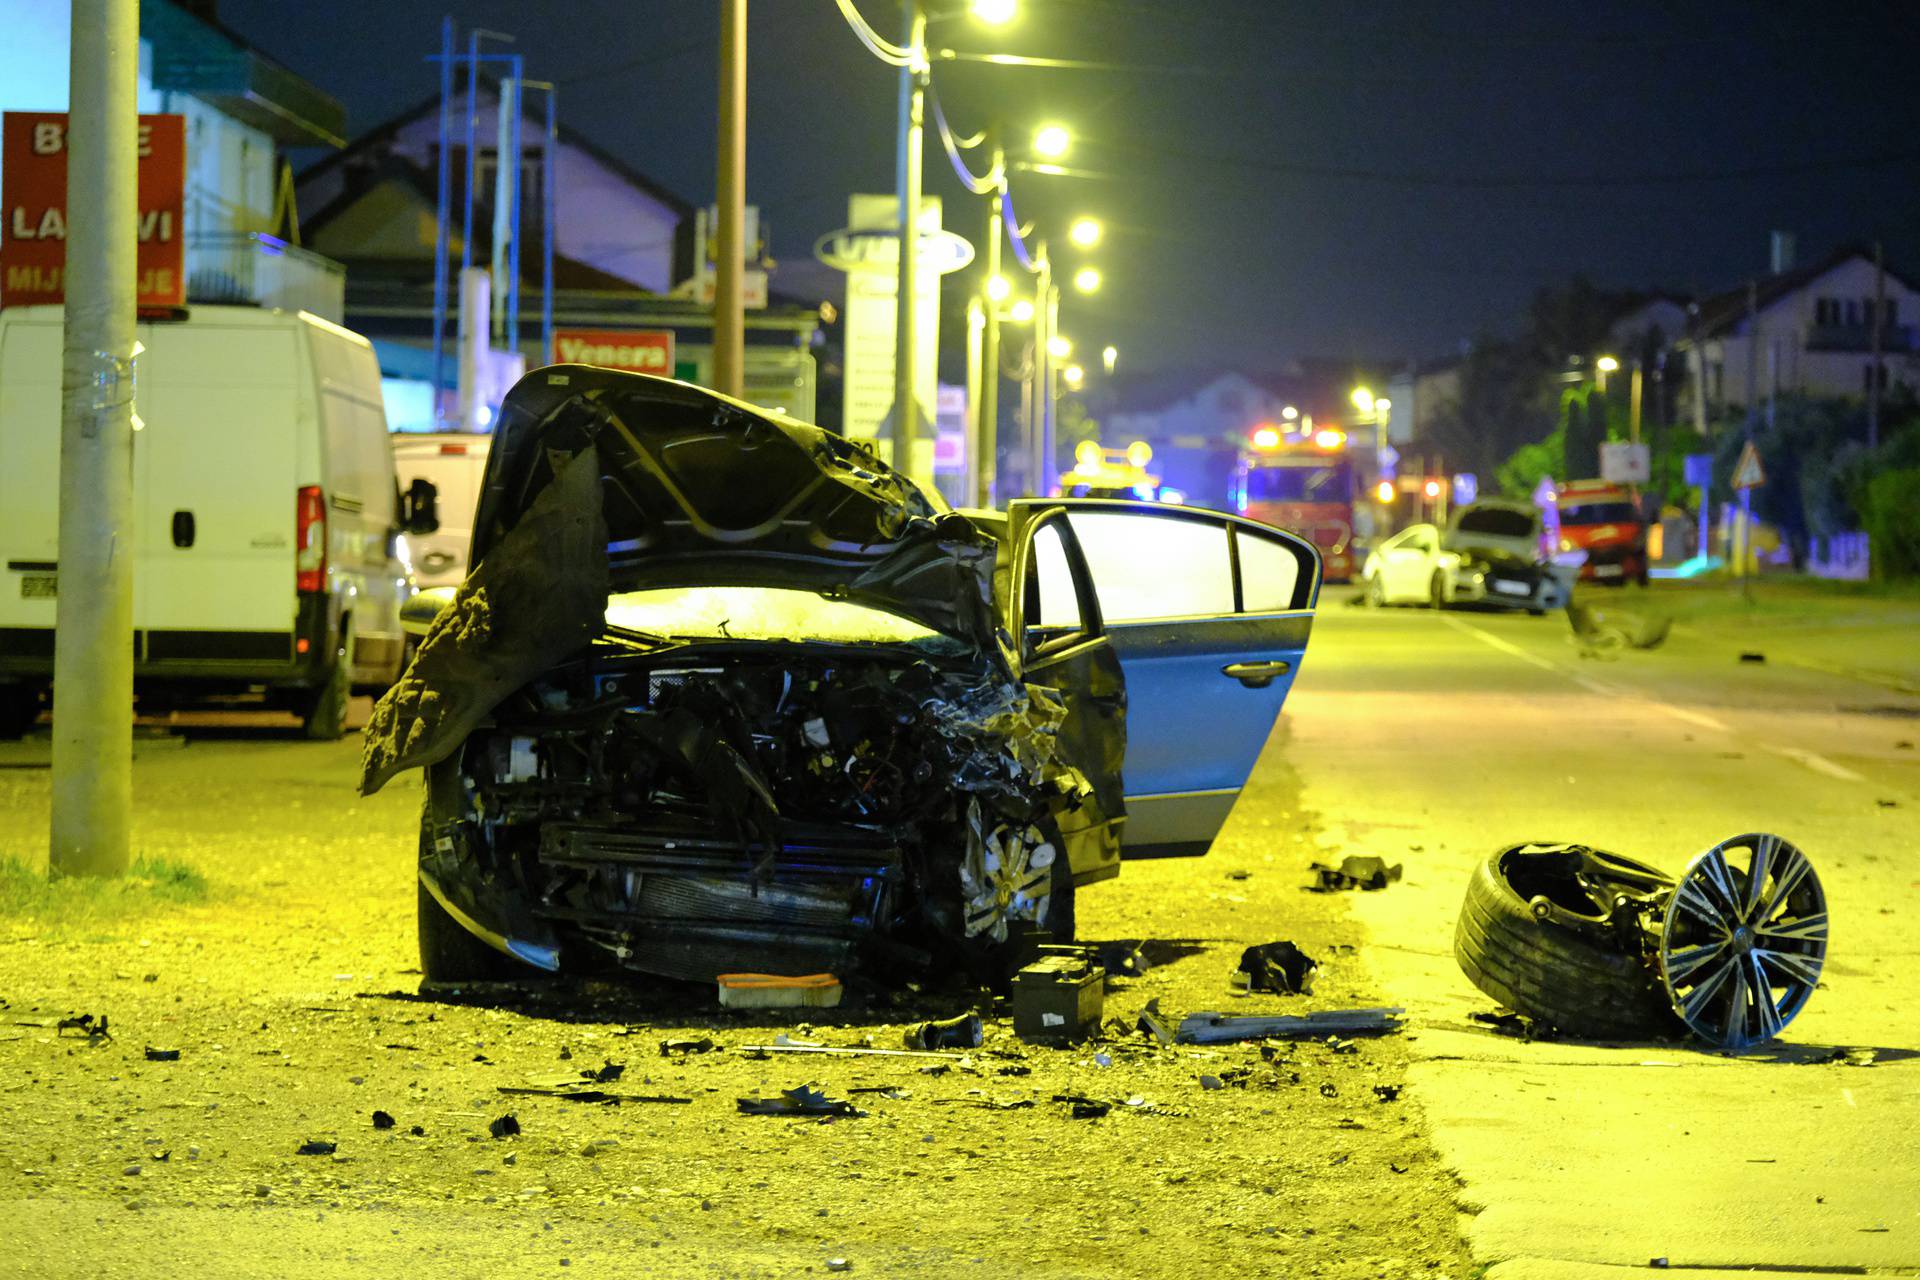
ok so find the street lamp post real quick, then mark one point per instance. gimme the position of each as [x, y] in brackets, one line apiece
[989, 414]
[913, 85]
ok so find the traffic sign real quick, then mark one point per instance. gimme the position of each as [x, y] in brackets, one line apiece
[1747, 473]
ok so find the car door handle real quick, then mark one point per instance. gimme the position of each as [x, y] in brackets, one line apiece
[1257, 675]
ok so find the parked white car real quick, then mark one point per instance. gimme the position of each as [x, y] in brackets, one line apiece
[452, 463]
[1490, 554]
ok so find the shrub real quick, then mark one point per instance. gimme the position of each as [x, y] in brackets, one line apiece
[1893, 523]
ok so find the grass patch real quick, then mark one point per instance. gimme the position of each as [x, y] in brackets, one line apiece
[149, 883]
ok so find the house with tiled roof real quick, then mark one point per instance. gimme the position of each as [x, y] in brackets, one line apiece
[1808, 330]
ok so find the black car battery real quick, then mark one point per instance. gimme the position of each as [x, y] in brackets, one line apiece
[1060, 997]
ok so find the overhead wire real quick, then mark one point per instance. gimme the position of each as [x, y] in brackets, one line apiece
[878, 45]
[953, 146]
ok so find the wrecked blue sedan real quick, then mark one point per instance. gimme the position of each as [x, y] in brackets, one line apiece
[723, 692]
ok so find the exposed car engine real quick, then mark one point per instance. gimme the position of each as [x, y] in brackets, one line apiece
[730, 805]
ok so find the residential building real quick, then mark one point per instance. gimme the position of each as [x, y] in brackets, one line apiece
[1808, 330]
[621, 242]
[241, 109]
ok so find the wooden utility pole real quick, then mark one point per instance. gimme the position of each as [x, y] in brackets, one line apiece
[729, 323]
[93, 624]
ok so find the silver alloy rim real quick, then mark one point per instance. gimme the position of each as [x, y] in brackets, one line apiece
[1744, 940]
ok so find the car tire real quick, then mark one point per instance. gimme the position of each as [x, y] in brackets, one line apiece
[323, 718]
[1553, 972]
[1436, 597]
[19, 710]
[1374, 593]
[448, 953]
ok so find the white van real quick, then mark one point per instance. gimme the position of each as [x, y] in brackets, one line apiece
[266, 515]
[453, 463]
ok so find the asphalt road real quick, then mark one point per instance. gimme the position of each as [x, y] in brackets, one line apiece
[1439, 738]
[1429, 738]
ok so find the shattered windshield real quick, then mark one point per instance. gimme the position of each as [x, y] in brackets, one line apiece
[761, 613]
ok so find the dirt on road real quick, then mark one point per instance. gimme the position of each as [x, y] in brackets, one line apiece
[291, 995]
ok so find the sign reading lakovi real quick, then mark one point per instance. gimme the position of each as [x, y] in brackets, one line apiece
[33, 224]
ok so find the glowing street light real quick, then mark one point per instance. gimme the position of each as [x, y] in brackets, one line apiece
[1085, 232]
[1022, 312]
[1074, 376]
[1363, 399]
[1109, 357]
[1384, 491]
[998, 288]
[1289, 413]
[1087, 280]
[1606, 364]
[1050, 142]
[993, 13]
[1058, 347]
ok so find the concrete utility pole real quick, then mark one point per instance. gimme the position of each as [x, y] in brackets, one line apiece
[989, 414]
[913, 85]
[1876, 338]
[93, 624]
[976, 327]
[729, 323]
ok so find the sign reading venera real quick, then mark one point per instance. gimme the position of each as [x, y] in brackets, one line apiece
[634, 350]
[33, 224]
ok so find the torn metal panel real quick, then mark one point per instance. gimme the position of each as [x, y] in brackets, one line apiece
[538, 598]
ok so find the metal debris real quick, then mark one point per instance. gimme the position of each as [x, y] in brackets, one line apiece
[162, 1055]
[505, 1127]
[1218, 1028]
[963, 1032]
[803, 1101]
[672, 1048]
[315, 1147]
[583, 1095]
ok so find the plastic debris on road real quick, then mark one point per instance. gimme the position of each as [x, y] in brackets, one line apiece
[1356, 871]
[1279, 967]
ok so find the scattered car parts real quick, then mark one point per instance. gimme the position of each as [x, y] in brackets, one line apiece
[1356, 871]
[1279, 967]
[1605, 947]
[1059, 998]
[1219, 1028]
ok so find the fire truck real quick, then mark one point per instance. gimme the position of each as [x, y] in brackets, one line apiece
[1301, 480]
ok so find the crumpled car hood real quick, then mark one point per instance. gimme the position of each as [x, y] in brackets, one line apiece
[703, 490]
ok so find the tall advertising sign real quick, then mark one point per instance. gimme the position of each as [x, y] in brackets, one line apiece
[33, 221]
[868, 251]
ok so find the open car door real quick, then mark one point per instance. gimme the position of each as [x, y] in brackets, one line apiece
[1209, 615]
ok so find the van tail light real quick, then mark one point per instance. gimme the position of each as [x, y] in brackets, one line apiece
[310, 539]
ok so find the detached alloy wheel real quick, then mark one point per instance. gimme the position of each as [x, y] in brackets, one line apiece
[1531, 937]
[1742, 946]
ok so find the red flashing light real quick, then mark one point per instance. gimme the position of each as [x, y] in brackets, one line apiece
[310, 539]
[1433, 488]
[458, 449]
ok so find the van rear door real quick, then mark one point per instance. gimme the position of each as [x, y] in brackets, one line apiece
[216, 469]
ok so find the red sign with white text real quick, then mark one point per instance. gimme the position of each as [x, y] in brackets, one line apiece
[634, 350]
[33, 223]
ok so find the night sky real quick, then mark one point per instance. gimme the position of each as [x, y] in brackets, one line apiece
[1289, 177]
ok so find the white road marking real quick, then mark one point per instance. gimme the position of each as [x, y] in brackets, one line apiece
[1511, 650]
[1693, 717]
[1817, 763]
[1811, 760]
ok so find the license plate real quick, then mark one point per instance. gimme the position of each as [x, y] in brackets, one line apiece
[1511, 588]
[1606, 571]
[39, 586]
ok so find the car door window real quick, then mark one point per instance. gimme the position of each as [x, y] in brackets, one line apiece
[1270, 572]
[1146, 565]
[1052, 578]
